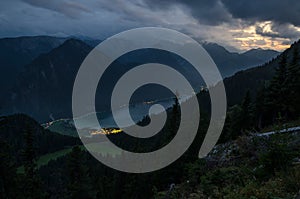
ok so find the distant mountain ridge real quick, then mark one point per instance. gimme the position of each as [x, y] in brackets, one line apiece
[231, 62]
[43, 90]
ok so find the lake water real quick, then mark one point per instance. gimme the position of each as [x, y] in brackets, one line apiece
[137, 112]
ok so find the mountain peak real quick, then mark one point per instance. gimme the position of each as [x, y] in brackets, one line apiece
[259, 50]
[214, 46]
[71, 47]
[74, 42]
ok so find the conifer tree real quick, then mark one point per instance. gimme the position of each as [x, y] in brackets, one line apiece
[79, 183]
[293, 84]
[8, 176]
[260, 106]
[32, 182]
[277, 101]
[175, 117]
[246, 117]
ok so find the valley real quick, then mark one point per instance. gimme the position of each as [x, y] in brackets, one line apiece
[260, 140]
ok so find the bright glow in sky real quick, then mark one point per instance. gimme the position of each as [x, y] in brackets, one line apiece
[250, 39]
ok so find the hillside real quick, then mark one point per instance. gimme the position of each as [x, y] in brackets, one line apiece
[254, 78]
[15, 53]
[14, 127]
[241, 167]
[249, 167]
[43, 88]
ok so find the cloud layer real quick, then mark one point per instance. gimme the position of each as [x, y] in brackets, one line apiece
[235, 24]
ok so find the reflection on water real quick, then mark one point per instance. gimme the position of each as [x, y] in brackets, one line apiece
[89, 127]
[137, 112]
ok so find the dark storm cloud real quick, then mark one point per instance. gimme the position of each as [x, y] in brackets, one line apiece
[280, 11]
[279, 30]
[218, 11]
[208, 12]
[259, 30]
[68, 8]
[221, 21]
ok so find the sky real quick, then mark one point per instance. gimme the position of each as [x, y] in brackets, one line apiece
[238, 25]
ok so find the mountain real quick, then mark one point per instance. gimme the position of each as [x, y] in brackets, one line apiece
[15, 53]
[227, 62]
[46, 85]
[261, 54]
[91, 42]
[254, 78]
[44, 89]
[230, 63]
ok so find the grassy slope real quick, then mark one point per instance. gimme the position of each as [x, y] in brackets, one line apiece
[45, 159]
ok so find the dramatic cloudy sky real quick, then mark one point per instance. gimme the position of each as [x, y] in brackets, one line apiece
[236, 24]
